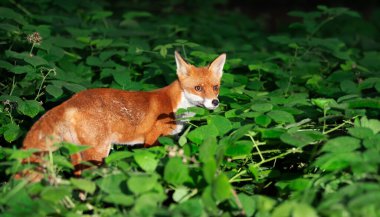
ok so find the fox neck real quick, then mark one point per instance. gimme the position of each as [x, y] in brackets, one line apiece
[179, 101]
[178, 97]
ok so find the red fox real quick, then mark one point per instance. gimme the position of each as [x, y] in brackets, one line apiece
[101, 117]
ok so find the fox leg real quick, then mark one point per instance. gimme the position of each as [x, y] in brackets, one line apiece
[94, 155]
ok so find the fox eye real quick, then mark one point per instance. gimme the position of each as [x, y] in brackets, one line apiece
[198, 88]
[216, 87]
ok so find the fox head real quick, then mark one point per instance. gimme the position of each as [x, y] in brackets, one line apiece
[200, 85]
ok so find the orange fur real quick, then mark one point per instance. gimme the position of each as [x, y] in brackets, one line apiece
[102, 117]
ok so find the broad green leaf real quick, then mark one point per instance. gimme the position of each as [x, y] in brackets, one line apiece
[22, 69]
[36, 61]
[176, 173]
[8, 13]
[248, 204]
[84, 184]
[262, 107]
[338, 160]
[30, 108]
[302, 138]
[55, 91]
[192, 207]
[146, 160]
[20, 154]
[62, 162]
[55, 194]
[349, 86]
[207, 149]
[360, 132]
[284, 209]
[323, 103]
[209, 202]
[113, 183]
[221, 188]
[73, 148]
[239, 148]
[119, 199]
[221, 123]
[364, 103]
[281, 117]
[12, 132]
[139, 184]
[263, 120]
[117, 156]
[341, 144]
[302, 210]
[372, 124]
[202, 132]
[180, 194]
[271, 133]
[209, 169]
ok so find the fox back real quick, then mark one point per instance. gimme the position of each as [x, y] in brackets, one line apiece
[101, 117]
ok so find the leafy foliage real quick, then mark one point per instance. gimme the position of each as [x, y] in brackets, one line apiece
[297, 132]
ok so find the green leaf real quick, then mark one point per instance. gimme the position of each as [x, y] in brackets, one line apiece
[271, 133]
[8, 13]
[338, 160]
[207, 149]
[248, 204]
[117, 156]
[84, 184]
[372, 124]
[221, 188]
[192, 207]
[364, 103]
[281, 117]
[139, 184]
[239, 148]
[360, 132]
[221, 123]
[209, 169]
[180, 194]
[30, 108]
[36, 61]
[146, 160]
[53, 90]
[323, 103]
[262, 107]
[302, 138]
[202, 132]
[263, 120]
[112, 183]
[55, 194]
[349, 86]
[119, 199]
[341, 144]
[176, 173]
[22, 69]
[73, 148]
[20, 154]
[12, 132]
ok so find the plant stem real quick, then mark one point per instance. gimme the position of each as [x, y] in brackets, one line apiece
[256, 146]
[31, 49]
[290, 151]
[238, 203]
[43, 81]
[13, 86]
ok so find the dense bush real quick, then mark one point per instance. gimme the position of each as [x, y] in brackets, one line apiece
[297, 134]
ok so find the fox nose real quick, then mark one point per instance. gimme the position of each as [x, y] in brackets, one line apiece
[215, 102]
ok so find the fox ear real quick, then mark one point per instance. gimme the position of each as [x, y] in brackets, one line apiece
[182, 65]
[217, 65]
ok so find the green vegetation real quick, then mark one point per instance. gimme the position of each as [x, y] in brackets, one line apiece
[297, 133]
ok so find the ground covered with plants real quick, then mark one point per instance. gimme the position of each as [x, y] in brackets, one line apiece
[297, 133]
